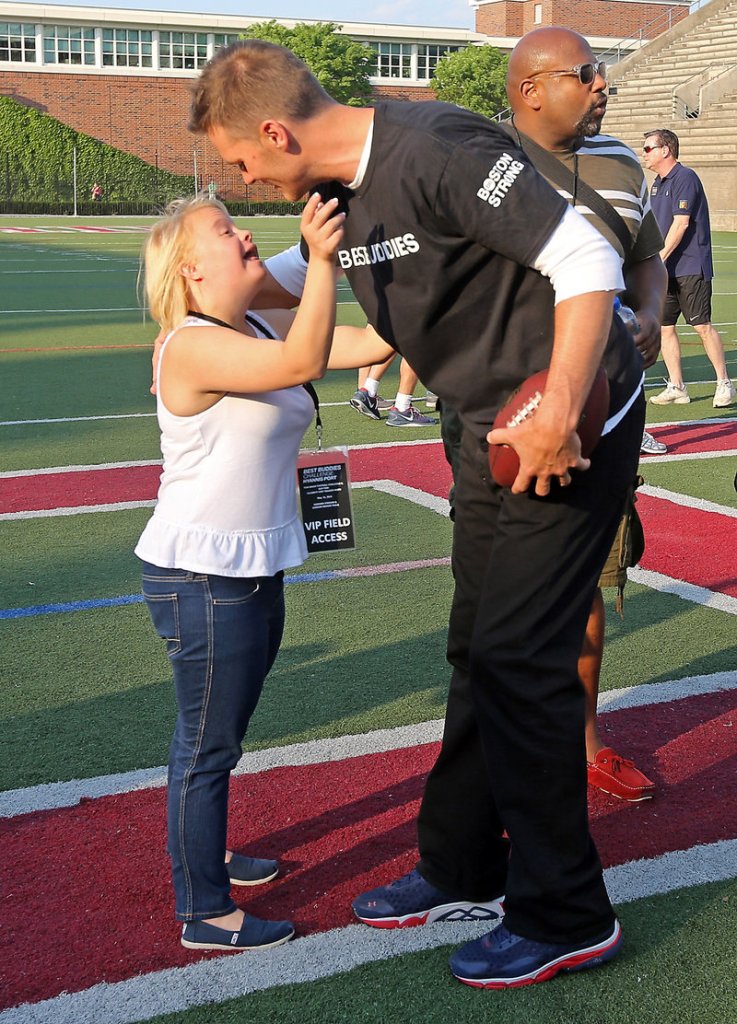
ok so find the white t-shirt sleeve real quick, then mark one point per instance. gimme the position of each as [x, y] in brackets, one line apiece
[578, 259]
[289, 269]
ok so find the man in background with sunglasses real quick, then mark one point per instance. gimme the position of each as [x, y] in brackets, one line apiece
[557, 92]
[559, 106]
[680, 205]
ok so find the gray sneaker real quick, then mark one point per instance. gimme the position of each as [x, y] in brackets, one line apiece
[724, 395]
[364, 403]
[410, 418]
[672, 394]
[650, 446]
[383, 403]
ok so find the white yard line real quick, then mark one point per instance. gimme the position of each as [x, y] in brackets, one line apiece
[336, 951]
[687, 501]
[686, 591]
[54, 795]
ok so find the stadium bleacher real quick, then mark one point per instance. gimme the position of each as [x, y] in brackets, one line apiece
[686, 80]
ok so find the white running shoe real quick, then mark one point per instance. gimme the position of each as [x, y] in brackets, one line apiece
[650, 446]
[724, 395]
[672, 394]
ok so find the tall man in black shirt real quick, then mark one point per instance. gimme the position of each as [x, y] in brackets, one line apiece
[471, 266]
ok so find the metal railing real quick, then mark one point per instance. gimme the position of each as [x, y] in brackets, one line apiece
[644, 35]
[708, 85]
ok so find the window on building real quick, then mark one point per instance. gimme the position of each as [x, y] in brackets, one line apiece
[429, 56]
[391, 60]
[222, 39]
[17, 42]
[183, 50]
[67, 44]
[126, 48]
[538, 14]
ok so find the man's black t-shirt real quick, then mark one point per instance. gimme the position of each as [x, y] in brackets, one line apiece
[438, 240]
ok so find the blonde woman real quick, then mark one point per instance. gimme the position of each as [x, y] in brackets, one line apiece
[232, 412]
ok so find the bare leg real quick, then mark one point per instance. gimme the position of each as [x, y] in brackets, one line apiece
[612, 773]
[589, 671]
[376, 372]
[670, 349]
[714, 349]
[407, 378]
[231, 922]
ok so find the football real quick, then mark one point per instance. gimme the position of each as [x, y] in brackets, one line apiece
[523, 404]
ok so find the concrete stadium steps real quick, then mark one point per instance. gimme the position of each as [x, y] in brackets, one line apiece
[645, 82]
[655, 74]
[709, 36]
[624, 120]
[717, 112]
[707, 140]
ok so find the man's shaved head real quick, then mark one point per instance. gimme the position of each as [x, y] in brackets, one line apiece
[549, 101]
[543, 49]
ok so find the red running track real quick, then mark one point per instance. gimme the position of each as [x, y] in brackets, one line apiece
[422, 466]
[94, 878]
[675, 533]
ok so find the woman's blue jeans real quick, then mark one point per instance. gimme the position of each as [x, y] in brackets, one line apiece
[222, 636]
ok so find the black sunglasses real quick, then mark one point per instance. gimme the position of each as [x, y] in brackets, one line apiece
[585, 73]
[649, 149]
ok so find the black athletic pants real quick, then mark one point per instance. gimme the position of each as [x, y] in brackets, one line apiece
[513, 757]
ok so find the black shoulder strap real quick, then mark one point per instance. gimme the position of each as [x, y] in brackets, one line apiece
[309, 387]
[556, 171]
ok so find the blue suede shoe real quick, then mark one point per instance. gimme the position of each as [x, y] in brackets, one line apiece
[254, 934]
[411, 900]
[500, 959]
[251, 870]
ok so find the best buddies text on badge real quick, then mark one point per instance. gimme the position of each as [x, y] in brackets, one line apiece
[325, 500]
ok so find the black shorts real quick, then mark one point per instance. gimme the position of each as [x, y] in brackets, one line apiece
[689, 295]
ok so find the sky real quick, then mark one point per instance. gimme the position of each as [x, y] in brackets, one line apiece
[441, 13]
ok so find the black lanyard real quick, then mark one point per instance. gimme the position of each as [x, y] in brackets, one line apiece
[262, 326]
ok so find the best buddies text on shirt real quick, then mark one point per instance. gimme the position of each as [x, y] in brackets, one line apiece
[378, 252]
[500, 179]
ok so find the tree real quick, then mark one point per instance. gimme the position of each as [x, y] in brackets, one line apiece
[473, 78]
[340, 64]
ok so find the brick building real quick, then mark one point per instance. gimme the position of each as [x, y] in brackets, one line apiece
[122, 76]
[617, 19]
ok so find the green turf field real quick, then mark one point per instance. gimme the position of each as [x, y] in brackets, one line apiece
[87, 693]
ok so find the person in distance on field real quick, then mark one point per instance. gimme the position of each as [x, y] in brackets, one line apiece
[680, 205]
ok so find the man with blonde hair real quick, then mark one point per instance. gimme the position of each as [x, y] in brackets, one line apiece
[468, 263]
